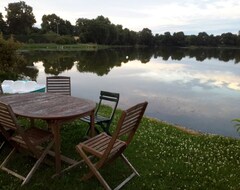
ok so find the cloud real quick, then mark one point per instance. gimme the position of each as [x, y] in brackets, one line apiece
[191, 16]
[202, 76]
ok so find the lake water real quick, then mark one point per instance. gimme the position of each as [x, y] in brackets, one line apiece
[198, 89]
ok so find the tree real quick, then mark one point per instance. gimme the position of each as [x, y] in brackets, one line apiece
[53, 23]
[132, 38]
[50, 23]
[20, 18]
[81, 29]
[179, 39]
[202, 39]
[146, 37]
[99, 30]
[228, 39]
[3, 25]
[166, 39]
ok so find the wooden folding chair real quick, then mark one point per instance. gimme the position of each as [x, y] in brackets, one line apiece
[30, 139]
[59, 84]
[107, 148]
[104, 120]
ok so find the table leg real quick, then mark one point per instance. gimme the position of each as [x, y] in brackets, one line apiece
[32, 122]
[57, 141]
[92, 124]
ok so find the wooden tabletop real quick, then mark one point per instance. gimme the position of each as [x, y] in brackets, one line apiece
[47, 105]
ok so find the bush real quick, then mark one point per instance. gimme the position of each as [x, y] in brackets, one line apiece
[30, 41]
[65, 40]
[10, 60]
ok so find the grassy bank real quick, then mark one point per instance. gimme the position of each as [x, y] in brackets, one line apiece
[166, 158]
[58, 47]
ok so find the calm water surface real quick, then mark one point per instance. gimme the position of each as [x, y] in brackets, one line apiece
[200, 90]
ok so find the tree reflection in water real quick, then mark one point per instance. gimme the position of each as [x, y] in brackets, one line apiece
[102, 61]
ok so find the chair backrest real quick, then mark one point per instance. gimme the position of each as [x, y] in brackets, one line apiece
[127, 125]
[8, 121]
[108, 97]
[59, 84]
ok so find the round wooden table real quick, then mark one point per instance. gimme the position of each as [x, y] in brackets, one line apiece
[55, 109]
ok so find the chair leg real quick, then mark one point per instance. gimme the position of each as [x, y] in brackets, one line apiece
[2, 143]
[36, 165]
[89, 128]
[105, 128]
[32, 123]
[125, 181]
[90, 174]
[27, 178]
[129, 164]
[7, 158]
[93, 169]
[129, 177]
[4, 163]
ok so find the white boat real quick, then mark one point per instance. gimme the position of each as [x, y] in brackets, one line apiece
[22, 86]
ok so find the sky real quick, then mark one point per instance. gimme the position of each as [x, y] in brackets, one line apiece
[189, 16]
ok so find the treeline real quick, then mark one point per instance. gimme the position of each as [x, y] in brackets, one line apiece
[20, 19]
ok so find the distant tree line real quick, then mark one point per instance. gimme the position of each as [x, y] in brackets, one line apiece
[19, 22]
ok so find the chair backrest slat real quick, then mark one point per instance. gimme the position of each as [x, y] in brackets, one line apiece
[109, 94]
[108, 98]
[59, 84]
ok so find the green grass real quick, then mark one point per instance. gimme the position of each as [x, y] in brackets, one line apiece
[165, 157]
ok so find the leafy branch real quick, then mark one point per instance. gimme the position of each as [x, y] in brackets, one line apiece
[237, 125]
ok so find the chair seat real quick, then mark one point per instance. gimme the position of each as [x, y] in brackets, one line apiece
[98, 144]
[37, 136]
[97, 119]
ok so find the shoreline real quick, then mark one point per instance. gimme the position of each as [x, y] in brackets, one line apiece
[190, 131]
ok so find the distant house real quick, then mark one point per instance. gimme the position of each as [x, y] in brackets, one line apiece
[76, 38]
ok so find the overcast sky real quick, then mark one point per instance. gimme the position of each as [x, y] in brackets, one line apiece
[190, 16]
